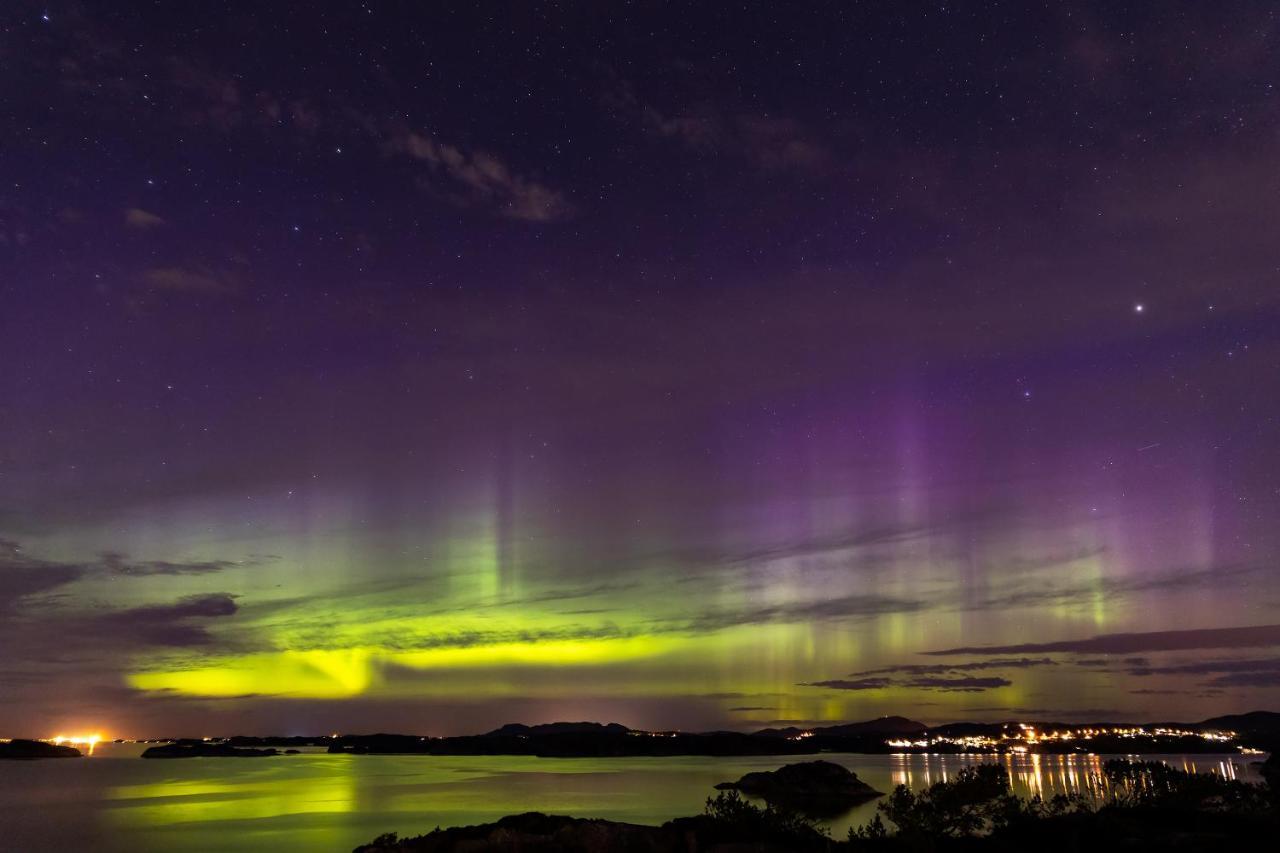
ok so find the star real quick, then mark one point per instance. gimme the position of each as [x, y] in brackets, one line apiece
[1139, 308]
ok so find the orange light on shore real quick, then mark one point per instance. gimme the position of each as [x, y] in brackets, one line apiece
[89, 741]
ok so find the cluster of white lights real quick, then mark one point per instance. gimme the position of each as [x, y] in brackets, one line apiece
[1026, 736]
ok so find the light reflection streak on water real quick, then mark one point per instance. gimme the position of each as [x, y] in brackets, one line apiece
[1035, 774]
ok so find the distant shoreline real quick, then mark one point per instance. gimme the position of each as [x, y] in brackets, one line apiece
[1244, 734]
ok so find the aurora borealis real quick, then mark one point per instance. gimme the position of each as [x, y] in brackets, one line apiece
[387, 367]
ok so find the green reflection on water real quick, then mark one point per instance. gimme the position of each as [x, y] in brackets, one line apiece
[317, 802]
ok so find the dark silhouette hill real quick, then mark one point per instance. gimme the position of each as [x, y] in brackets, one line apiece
[521, 730]
[204, 749]
[604, 741]
[881, 726]
[32, 749]
[1254, 722]
[591, 739]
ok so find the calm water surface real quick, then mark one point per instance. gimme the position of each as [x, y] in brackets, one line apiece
[113, 801]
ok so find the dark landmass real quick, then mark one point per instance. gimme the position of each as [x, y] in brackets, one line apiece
[521, 730]
[204, 749]
[1147, 807]
[292, 741]
[1260, 729]
[29, 750]
[289, 741]
[533, 832]
[812, 788]
[610, 741]
[881, 726]
[1254, 723]
[539, 833]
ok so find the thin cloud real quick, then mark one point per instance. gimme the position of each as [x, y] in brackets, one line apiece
[767, 142]
[853, 684]
[24, 576]
[319, 636]
[1246, 679]
[1095, 714]
[142, 220]
[1254, 636]
[770, 143]
[184, 280]
[1210, 667]
[958, 685]
[849, 606]
[19, 581]
[970, 666]
[1043, 595]
[178, 624]
[484, 179]
[1259, 672]
[120, 564]
[946, 685]
[819, 545]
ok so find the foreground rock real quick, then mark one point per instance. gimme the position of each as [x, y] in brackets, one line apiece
[532, 832]
[538, 833]
[812, 787]
[201, 749]
[32, 749]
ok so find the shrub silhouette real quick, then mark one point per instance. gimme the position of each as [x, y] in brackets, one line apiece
[977, 801]
[1154, 784]
[771, 823]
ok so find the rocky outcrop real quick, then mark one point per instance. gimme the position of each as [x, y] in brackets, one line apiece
[811, 787]
[539, 833]
[532, 833]
[31, 749]
[202, 749]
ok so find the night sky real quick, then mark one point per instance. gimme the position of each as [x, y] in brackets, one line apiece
[390, 367]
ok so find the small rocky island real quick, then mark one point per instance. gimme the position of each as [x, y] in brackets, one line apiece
[29, 750]
[813, 787]
[205, 749]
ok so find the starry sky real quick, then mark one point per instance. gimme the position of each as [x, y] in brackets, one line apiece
[392, 366]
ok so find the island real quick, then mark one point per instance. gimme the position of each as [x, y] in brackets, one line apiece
[30, 750]
[813, 788]
[205, 749]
